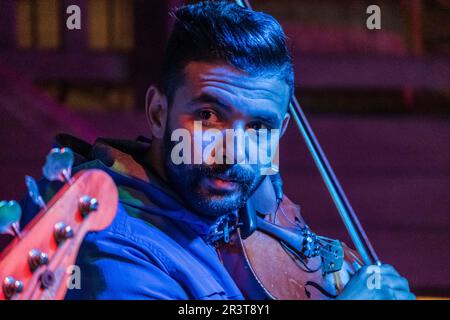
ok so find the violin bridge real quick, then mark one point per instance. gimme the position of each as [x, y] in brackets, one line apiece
[332, 254]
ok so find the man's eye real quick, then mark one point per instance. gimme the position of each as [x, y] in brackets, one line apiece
[207, 115]
[257, 126]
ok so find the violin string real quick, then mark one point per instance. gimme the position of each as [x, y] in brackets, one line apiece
[287, 218]
[323, 241]
[336, 253]
[300, 259]
[327, 244]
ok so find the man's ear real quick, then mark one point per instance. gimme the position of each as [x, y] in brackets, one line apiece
[156, 110]
[285, 124]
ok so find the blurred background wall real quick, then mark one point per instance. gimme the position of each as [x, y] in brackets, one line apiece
[377, 99]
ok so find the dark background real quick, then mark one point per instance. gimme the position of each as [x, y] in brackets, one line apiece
[378, 101]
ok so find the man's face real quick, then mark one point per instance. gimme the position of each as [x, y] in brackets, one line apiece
[221, 97]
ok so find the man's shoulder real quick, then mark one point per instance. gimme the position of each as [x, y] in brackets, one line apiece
[129, 250]
[132, 229]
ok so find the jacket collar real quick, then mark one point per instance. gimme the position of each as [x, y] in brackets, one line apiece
[124, 160]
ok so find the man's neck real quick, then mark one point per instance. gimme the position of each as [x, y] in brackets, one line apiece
[155, 160]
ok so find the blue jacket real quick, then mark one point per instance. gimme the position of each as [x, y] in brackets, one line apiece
[155, 247]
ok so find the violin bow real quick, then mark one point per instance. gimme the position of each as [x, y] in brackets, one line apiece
[348, 215]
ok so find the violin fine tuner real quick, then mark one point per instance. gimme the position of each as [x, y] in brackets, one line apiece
[329, 250]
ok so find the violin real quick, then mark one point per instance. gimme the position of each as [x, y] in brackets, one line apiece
[274, 255]
[281, 258]
[39, 261]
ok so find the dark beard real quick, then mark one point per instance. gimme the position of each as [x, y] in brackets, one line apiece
[186, 180]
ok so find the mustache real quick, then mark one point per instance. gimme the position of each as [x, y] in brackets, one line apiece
[235, 173]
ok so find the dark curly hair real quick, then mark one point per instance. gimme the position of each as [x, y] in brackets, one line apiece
[250, 41]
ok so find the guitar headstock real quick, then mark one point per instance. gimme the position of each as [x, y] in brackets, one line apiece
[35, 264]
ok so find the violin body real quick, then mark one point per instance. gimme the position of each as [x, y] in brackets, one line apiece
[264, 268]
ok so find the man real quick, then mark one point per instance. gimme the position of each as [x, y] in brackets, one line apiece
[226, 68]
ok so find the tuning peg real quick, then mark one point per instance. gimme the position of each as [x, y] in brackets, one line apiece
[33, 192]
[10, 213]
[58, 165]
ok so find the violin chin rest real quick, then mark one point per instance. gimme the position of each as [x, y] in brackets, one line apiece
[248, 218]
[262, 202]
[263, 198]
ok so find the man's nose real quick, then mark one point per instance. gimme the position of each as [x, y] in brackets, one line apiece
[230, 148]
[235, 144]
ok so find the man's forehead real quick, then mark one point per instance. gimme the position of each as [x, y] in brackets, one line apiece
[199, 76]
